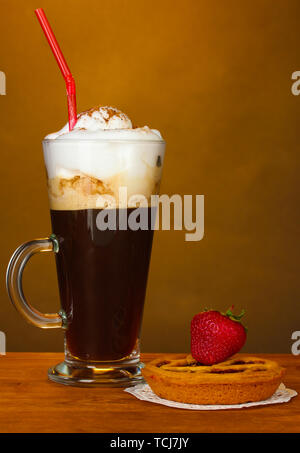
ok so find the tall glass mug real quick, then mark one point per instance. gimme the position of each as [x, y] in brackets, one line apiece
[102, 222]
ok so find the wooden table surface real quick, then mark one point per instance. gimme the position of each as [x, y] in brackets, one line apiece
[31, 403]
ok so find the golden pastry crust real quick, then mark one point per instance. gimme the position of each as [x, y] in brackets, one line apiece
[237, 380]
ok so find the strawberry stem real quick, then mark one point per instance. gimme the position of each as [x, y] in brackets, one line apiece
[229, 313]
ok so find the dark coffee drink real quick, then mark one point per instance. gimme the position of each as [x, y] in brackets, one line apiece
[102, 279]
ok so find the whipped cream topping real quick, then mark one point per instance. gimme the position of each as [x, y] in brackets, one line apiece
[107, 123]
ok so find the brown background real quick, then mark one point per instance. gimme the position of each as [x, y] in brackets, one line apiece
[215, 78]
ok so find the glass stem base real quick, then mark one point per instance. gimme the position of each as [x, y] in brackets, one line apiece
[123, 373]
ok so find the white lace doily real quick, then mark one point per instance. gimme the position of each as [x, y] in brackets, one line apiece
[143, 392]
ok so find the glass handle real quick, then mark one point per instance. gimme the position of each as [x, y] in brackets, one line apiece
[14, 284]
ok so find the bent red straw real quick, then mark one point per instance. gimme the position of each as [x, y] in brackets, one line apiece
[70, 82]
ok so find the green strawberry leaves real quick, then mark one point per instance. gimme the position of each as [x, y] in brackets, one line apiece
[229, 313]
[237, 318]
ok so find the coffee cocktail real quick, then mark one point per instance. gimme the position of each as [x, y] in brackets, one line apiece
[101, 176]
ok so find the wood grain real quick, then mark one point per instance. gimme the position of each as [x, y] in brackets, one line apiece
[31, 403]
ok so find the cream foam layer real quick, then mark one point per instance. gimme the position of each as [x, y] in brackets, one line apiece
[101, 159]
[81, 172]
[87, 166]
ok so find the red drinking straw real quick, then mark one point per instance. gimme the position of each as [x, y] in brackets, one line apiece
[70, 82]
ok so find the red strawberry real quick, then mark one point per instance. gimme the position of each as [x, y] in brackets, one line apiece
[216, 336]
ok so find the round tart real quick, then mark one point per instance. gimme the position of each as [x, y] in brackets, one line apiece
[237, 380]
